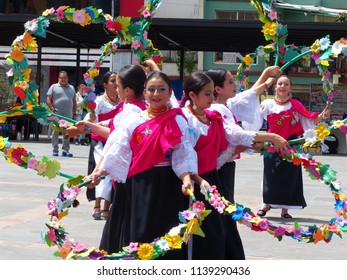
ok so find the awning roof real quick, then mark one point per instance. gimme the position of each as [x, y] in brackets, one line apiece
[308, 8]
[171, 34]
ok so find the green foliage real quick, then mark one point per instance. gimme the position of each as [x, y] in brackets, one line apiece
[7, 98]
[342, 17]
[190, 62]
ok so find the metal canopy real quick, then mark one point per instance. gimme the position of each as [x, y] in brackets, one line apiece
[174, 34]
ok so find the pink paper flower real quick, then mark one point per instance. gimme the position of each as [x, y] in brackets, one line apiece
[133, 246]
[79, 16]
[80, 247]
[188, 215]
[85, 76]
[199, 206]
[135, 45]
[60, 12]
[273, 15]
[32, 163]
[280, 231]
[343, 129]
[51, 234]
[97, 64]
[146, 14]
[63, 124]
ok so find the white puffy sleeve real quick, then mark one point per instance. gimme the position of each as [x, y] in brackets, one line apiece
[260, 114]
[237, 136]
[125, 114]
[184, 157]
[306, 123]
[244, 105]
[118, 153]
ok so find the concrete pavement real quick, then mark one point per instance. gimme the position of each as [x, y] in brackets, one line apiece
[24, 196]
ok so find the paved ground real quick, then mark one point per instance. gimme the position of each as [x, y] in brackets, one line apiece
[24, 196]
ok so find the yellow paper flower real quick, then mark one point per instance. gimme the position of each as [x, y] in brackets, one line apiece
[173, 241]
[145, 251]
[125, 22]
[33, 45]
[230, 209]
[26, 74]
[315, 47]
[247, 60]
[9, 155]
[46, 12]
[93, 73]
[2, 143]
[338, 124]
[62, 215]
[322, 131]
[256, 220]
[324, 63]
[192, 226]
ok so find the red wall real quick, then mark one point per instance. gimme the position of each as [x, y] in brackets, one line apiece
[129, 8]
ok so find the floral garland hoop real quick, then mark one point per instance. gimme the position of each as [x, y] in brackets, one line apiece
[321, 51]
[126, 33]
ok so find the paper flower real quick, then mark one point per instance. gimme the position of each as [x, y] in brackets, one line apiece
[247, 60]
[145, 251]
[322, 131]
[173, 241]
[310, 136]
[133, 246]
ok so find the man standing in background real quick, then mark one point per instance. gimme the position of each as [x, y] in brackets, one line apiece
[61, 100]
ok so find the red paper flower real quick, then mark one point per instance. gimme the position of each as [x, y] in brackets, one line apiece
[17, 154]
[91, 106]
[19, 92]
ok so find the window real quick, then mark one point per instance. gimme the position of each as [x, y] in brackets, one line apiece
[233, 57]
[230, 58]
[236, 15]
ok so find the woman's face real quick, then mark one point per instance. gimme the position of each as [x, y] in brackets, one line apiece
[283, 87]
[122, 94]
[111, 85]
[229, 88]
[157, 93]
[204, 98]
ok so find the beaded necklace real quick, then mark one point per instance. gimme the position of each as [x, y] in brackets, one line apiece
[152, 113]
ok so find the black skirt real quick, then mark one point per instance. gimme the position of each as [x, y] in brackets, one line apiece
[145, 208]
[212, 246]
[282, 183]
[233, 247]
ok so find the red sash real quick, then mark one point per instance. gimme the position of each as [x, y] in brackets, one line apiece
[139, 103]
[151, 140]
[104, 117]
[210, 146]
[284, 123]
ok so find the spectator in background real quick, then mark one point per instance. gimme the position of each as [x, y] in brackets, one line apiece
[80, 113]
[61, 100]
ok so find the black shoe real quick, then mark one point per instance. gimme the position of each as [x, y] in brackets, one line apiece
[286, 216]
